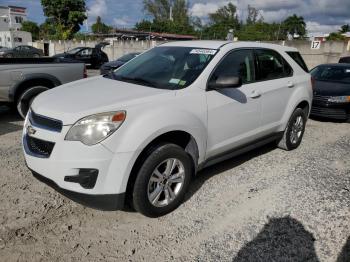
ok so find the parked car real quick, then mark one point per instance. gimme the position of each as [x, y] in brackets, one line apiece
[21, 51]
[345, 59]
[141, 133]
[22, 79]
[332, 91]
[113, 65]
[92, 56]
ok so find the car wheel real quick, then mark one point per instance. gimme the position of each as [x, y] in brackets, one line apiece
[294, 132]
[26, 99]
[9, 56]
[162, 181]
[36, 55]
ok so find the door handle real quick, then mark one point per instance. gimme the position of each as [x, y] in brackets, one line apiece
[255, 94]
[290, 84]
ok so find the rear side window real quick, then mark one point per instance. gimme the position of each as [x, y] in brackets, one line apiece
[299, 60]
[272, 65]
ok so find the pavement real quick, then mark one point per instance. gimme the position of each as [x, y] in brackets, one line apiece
[267, 205]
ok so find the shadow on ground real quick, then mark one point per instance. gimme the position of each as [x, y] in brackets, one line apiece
[221, 167]
[281, 239]
[7, 119]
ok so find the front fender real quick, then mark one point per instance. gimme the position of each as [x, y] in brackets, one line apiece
[140, 129]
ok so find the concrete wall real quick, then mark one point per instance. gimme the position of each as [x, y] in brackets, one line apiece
[329, 52]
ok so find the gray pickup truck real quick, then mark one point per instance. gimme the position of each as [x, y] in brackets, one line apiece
[21, 80]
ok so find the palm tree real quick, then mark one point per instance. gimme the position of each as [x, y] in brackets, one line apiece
[295, 26]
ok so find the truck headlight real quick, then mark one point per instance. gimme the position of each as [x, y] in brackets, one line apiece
[91, 130]
[339, 99]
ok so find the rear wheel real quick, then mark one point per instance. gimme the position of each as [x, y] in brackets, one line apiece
[294, 132]
[162, 181]
[9, 56]
[36, 55]
[26, 99]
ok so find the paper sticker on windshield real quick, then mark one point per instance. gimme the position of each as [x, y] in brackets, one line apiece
[203, 51]
[174, 81]
[182, 83]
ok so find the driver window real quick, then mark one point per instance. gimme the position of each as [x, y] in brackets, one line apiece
[238, 63]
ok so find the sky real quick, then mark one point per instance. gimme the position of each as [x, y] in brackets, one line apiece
[321, 16]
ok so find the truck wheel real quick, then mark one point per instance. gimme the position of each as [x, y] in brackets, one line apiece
[162, 181]
[26, 98]
[294, 132]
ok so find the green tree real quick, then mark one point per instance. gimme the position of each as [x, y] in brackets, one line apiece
[253, 15]
[220, 22]
[67, 15]
[335, 36]
[163, 20]
[99, 27]
[295, 25]
[33, 28]
[345, 28]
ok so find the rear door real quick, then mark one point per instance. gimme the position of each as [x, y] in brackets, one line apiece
[276, 86]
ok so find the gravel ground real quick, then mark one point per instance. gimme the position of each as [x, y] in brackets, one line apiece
[267, 205]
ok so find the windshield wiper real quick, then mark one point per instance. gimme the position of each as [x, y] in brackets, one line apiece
[137, 80]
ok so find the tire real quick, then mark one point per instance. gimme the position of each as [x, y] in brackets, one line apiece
[9, 56]
[25, 100]
[158, 186]
[36, 56]
[294, 132]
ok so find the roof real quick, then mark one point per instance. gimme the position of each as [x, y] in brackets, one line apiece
[218, 44]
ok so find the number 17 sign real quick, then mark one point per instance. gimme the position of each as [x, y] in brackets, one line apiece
[315, 44]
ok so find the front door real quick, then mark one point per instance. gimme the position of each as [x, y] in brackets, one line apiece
[233, 113]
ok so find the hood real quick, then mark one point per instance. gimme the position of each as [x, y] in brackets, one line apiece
[73, 101]
[331, 88]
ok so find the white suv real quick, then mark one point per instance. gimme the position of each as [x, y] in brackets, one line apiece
[142, 132]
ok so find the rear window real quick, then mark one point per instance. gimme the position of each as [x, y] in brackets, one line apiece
[299, 60]
[345, 60]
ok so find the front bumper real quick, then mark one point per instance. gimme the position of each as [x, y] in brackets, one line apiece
[106, 202]
[67, 164]
[322, 108]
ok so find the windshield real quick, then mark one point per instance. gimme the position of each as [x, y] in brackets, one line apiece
[165, 67]
[74, 50]
[332, 74]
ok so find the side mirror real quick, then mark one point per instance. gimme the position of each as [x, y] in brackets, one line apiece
[225, 82]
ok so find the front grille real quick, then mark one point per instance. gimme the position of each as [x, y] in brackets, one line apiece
[39, 147]
[45, 122]
[321, 100]
[336, 113]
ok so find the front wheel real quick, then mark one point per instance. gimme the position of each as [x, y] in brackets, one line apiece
[294, 132]
[162, 181]
[26, 99]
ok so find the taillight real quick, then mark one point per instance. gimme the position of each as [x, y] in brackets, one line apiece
[313, 82]
[85, 72]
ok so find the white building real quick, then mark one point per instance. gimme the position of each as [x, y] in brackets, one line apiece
[12, 38]
[11, 17]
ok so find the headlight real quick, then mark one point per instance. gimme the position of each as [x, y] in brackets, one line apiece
[93, 129]
[339, 99]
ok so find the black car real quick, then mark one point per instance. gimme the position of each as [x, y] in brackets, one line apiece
[331, 91]
[22, 51]
[345, 59]
[111, 66]
[92, 56]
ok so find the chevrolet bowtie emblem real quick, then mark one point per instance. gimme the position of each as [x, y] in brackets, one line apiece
[30, 130]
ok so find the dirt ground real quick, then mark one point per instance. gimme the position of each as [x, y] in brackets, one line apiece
[267, 205]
